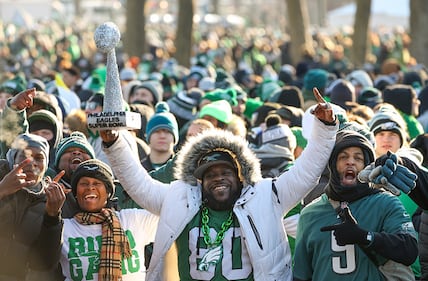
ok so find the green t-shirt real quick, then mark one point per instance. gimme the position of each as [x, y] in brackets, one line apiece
[234, 263]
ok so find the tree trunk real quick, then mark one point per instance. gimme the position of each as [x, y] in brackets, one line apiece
[418, 24]
[183, 36]
[360, 37]
[135, 37]
[298, 28]
[77, 8]
[215, 6]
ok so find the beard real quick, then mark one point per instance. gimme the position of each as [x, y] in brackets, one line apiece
[209, 200]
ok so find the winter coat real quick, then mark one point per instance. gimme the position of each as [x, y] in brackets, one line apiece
[29, 239]
[259, 210]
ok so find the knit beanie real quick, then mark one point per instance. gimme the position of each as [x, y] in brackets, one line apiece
[76, 139]
[251, 105]
[383, 81]
[228, 95]
[414, 79]
[162, 119]
[97, 169]
[400, 96]
[36, 83]
[350, 138]
[360, 78]
[183, 106]
[207, 84]
[359, 128]
[23, 141]
[96, 85]
[197, 73]
[277, 133]
[14, 85]
[262, 112]
[267, 88]
[127, 74]
[388, 119]
[292, 114]
[341, 91]
[154, 87]
[289, 95]
[220, 110]
[370, 96]
[287, 74]
[42, 119]
[315, 78]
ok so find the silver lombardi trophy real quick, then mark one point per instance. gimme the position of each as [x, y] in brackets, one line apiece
[113, 116]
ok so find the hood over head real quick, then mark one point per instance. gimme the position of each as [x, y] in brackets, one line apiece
[190, 155]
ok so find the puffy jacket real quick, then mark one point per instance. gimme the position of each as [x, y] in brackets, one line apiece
[259, 210]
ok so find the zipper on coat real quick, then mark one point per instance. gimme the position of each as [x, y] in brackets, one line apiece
[255, 231]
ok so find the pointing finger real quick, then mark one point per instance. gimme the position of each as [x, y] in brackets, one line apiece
[328, 228]
[22, 164]
[58, 176]
[318, 96]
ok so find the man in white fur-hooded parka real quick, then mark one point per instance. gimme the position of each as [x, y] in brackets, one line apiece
[225, 220]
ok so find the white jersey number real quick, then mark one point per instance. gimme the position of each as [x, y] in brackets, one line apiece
[340, 266]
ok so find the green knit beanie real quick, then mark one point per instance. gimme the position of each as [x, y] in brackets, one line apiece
[220, 110]
[76, 139]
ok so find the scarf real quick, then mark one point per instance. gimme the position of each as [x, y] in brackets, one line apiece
[114, 246]
[338, 192]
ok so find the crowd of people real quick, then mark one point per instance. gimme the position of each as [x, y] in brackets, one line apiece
[246, 166]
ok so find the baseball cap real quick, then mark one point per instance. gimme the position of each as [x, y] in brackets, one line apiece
[216, 157]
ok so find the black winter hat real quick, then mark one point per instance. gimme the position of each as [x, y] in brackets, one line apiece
[350, 138]
[400, 96]
[289, 95]
[97, 169]
[370, 96]
[341, 91]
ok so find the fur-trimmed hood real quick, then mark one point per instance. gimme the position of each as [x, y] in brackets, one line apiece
[195, 147]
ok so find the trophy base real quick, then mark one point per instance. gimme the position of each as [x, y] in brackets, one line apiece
[114, 120]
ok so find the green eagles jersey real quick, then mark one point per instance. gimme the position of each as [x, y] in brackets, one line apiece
[194, 263]
[317, 255]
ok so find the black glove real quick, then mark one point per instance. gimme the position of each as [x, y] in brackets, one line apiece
[382, 159]
[348, 231]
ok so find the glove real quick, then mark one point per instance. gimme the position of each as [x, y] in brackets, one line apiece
[397, 175]
[348, 231]
[373, 174]
[369, 173]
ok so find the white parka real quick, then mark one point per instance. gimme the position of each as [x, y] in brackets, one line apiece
[259, 210]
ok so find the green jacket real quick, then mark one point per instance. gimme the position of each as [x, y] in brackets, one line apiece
[414, 128]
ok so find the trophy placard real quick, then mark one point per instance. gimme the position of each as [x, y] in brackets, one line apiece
[113, 116]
